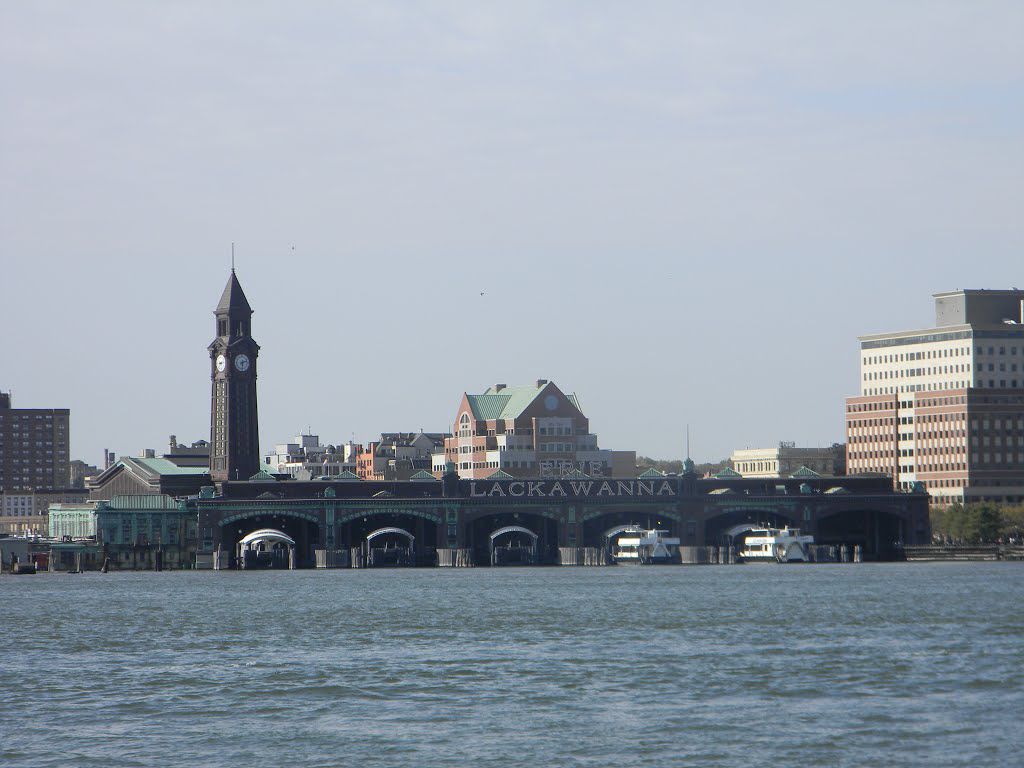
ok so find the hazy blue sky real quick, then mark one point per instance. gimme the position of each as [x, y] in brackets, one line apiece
[684, 212]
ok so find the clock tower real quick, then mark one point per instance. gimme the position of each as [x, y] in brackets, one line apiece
[234, 424]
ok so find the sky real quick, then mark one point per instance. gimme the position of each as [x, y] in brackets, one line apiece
[684, 212]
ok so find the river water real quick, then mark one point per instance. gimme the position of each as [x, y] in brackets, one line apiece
[872, 664]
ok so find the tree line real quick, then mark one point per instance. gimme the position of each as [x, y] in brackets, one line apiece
[983, 522]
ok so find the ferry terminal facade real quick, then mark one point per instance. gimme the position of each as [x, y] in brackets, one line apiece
[458, 521]
[444, 518]
[455, 520]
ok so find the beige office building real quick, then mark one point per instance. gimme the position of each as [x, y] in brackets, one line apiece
[785, 459]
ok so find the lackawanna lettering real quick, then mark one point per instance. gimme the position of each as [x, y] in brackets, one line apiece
[518, 489]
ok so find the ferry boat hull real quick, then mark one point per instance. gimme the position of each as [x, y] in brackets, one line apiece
[776, 545]
[646, 547]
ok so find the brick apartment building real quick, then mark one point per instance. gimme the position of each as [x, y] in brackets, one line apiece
[34, 445]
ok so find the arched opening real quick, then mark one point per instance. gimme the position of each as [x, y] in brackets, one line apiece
[418, 539]
[390, 547]
[730, 529]
[303, 532]
[597, 530]
[478, 538]
[264, 549]
[513, 545]
[879, 534]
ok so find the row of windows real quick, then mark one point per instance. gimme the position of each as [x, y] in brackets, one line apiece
[871, 392]
[933, 354]
[494, 464]
[903, 357]
[906, 373]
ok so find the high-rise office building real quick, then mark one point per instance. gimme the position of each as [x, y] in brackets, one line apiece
[944, 406]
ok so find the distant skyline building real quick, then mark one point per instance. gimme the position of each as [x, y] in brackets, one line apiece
[786, 458]
[532, 430]
[400, 455]
[944, 406]
[25, 513]
[34, 447]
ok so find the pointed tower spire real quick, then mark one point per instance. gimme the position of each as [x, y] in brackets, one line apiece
[233, 299]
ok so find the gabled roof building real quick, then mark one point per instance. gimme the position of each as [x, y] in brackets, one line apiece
[143, 475]
[532, 430]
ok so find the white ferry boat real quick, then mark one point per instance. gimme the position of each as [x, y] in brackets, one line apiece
[776, 545]
[639, 546]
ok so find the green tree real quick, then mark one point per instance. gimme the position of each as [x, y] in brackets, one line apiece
[952, 522]
[986, 523]
[1013, 521]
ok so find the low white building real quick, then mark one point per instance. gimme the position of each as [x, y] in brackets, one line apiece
[305, 458]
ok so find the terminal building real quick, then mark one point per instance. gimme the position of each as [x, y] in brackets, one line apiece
[522, 465]
[944, 406]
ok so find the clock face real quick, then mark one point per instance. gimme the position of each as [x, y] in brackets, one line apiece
[221, 362]
[551, 402]
[242, 363]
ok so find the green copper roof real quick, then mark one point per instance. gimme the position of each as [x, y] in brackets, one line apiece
[805, 472]
[346, 475]
[509, 402]
[652, 472]
[500, 474]
[488, 406]
[166, 467]
[423, 475]
[263, 477]
[728, 472]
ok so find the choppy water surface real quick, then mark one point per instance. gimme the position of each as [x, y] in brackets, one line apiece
[816, 665]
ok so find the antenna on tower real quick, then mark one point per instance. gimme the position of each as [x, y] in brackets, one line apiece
[687, 441]
[232, 258]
